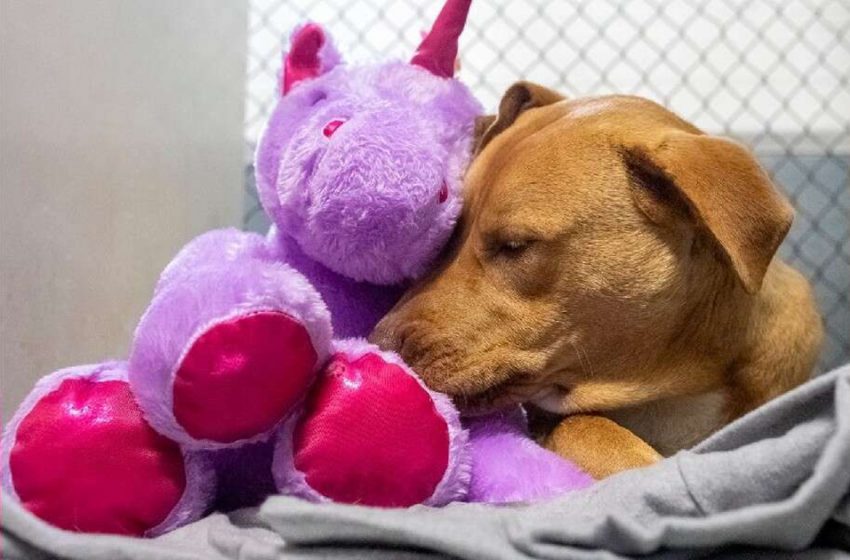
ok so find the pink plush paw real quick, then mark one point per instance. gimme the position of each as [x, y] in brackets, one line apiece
[372, 434]
[242, 375]
[84, 459]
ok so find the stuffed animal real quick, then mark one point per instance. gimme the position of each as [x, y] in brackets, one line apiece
[249, 354]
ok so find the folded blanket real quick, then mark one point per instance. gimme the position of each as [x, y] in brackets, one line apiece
[773, 483]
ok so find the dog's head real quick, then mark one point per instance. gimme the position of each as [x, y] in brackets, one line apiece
[595, 234]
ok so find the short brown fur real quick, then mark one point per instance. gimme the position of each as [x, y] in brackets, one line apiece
[611, 259]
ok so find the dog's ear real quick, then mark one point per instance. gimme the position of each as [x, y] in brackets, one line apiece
[718, 185]
[517, 99]
[482, 124]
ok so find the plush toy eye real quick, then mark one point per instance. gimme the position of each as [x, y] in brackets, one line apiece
[331, 127]
[444, 192]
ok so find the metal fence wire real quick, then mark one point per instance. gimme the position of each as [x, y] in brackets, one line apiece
[771, 74]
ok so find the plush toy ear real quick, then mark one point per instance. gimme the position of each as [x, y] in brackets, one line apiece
[311, 54]
[519, 98]
[719, 186]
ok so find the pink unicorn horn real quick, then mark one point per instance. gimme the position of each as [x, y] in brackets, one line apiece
[438, 49]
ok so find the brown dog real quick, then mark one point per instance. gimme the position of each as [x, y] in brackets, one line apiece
[613, 259]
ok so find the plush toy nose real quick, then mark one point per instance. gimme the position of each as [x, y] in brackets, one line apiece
[376, 194]
[383, 173]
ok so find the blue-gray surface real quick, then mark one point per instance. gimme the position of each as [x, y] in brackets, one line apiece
[773, 484]
[819, 242]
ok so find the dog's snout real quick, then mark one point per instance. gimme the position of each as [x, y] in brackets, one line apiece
[395, 334]
[386, 335]
[414, 342]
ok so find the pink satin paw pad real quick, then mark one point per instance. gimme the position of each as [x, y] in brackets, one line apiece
[84, 459]
[371, 435]
[241, 376]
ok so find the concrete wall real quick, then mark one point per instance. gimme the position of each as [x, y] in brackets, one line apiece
[120, 139]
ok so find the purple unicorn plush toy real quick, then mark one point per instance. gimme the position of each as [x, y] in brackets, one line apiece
[250, 351]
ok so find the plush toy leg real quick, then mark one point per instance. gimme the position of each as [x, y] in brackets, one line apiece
[229, 344]
[372, 434]
[79, 455]
[244, 475]
[508, 466]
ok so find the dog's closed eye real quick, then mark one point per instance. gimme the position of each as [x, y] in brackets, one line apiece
[510, 243]
[511, 248]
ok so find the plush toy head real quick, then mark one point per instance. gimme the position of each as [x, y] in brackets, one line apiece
[362, 165]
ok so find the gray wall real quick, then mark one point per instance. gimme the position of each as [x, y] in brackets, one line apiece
[120, 139]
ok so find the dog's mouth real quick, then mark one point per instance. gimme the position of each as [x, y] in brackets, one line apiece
[491, 399]
[516, 389]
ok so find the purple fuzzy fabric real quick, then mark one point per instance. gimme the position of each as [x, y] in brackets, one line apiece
[356, 307]
[508, 466]
[357, 212]
[219, 275]
[365, 202]
[244, 475]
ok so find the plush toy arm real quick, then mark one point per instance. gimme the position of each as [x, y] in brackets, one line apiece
[508, 466]
[371, 433]
[229, 344]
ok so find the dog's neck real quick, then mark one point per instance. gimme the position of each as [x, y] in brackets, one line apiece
[698, 362]
[719, 312]
[725, 335]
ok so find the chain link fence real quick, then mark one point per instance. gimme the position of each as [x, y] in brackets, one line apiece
[775, 75]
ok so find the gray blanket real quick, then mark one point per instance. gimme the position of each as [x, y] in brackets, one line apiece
[773, 484]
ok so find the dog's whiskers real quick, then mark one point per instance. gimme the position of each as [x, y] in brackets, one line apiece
[583, 358]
